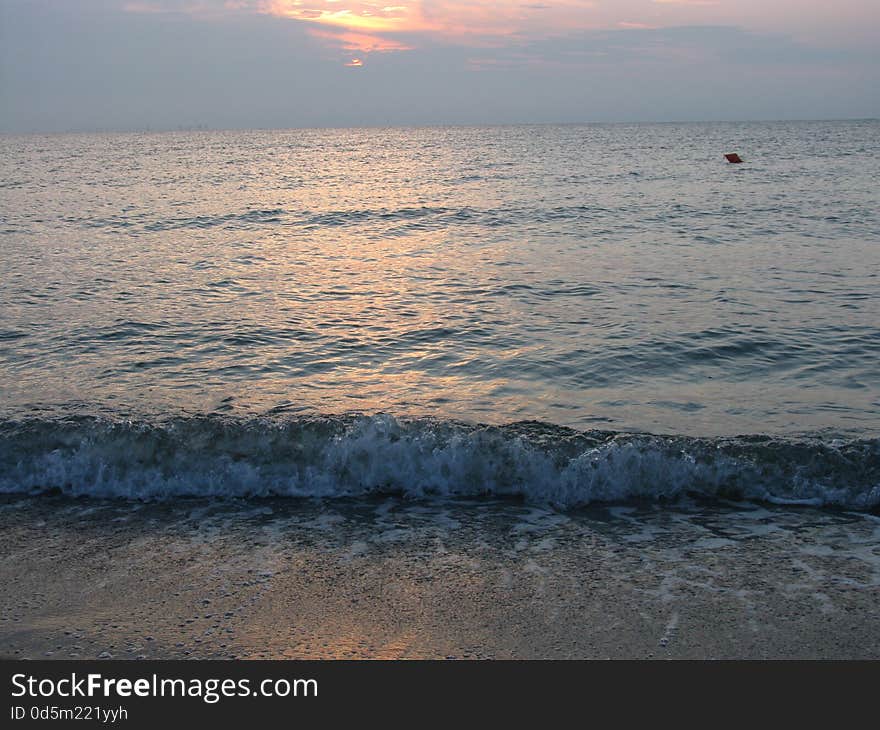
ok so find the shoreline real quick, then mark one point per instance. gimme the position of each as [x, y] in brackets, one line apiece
[389, 578]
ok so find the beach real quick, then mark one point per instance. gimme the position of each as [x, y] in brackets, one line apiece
[514, 391]
[395, 579]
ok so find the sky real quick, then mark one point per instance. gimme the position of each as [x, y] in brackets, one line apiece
[80, 65]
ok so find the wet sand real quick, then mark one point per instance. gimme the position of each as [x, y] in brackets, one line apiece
[465, 579]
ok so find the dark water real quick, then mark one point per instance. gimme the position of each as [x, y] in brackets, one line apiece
[198, 312]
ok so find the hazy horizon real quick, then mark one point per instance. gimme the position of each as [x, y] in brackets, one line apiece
[427, 125]
[165, 65]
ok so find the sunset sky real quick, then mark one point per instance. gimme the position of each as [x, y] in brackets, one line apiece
[136, 64]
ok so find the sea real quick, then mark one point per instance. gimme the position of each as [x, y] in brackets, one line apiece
[556, 316]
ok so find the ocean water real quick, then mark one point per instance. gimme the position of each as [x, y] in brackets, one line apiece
[567, 314]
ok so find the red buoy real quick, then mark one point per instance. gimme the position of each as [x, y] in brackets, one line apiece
[733, 158]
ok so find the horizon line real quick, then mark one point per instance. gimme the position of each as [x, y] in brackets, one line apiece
[426, 125]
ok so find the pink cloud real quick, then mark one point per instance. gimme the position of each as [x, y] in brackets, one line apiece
[361, 42]
[381, 25]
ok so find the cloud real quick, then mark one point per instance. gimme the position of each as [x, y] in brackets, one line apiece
[83, 64]
[357, 15]
[680, 49]
[686, 2]
[361, 42]
[447, 19]
[374, 26]
[386, 25]
[195, 8]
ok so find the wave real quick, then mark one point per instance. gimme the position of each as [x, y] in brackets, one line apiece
[415, 218]
[346, 456]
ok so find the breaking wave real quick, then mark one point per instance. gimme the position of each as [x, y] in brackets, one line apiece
[345, 456]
